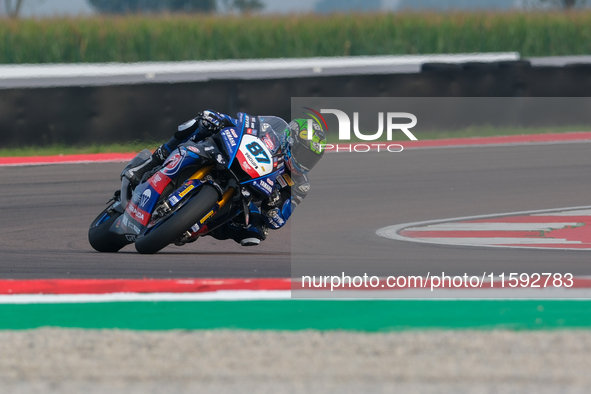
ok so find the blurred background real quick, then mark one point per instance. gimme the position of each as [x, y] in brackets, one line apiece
[46, 8]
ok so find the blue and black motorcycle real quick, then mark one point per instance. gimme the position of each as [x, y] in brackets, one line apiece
[199, 187]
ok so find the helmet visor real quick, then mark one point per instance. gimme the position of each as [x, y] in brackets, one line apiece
[305, 157]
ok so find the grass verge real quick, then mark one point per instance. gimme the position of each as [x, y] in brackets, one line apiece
[351, 315]
[136, 146]
[54, 150]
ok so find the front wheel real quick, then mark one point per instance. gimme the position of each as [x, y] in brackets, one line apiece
[99, 236]
[179, 222]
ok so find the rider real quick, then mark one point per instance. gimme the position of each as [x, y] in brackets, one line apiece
[300, 153]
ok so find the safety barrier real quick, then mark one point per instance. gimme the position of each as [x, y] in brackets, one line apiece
[128, 112]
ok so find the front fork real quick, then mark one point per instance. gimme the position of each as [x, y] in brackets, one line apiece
[200, 227]
[202, 173]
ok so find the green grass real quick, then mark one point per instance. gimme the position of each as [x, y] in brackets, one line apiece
[350, 315]
[136, 146]
[70, 150]
[211, 37]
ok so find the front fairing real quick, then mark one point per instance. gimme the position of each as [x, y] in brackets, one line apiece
[255, 161]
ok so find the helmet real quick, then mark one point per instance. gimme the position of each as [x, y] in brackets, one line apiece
[304, 153]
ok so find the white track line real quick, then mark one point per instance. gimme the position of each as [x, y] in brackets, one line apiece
[224, 295]
[493, 226]
[496, 241]
[318, 295]
[392, 232]
[580, 212]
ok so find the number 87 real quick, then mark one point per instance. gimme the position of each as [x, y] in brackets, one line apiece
[257, 150]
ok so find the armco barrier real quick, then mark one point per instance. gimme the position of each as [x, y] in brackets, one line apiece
[118, 113]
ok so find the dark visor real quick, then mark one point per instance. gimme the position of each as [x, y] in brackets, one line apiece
[305, 157]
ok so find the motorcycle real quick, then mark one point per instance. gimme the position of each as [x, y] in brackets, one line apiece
[200, 187]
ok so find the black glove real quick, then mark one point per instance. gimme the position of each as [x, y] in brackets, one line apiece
[209, 122]
[273, 201]
[212, 121]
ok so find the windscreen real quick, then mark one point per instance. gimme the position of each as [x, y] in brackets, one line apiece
[272, 132]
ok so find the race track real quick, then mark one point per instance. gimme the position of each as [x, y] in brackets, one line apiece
[45, 212]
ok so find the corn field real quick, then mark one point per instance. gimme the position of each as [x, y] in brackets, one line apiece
[206, 37]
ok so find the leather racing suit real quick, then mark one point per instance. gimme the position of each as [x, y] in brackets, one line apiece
[290, 188]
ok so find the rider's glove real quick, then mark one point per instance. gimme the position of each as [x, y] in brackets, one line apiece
[208, 122]
[274, 219]
[211, 121]
[277, 217]
[273, 201]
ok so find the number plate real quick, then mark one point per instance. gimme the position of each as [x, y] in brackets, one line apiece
[254, 156]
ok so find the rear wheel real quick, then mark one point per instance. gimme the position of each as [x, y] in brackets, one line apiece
[179, 222]
[99, 236]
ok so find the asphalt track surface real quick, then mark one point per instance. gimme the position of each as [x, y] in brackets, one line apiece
[45, 212]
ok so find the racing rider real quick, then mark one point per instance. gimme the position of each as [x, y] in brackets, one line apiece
[300, 154]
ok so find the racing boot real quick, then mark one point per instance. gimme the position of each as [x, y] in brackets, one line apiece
[135, 174]
[255, 232]
[246, 235]
[250, 241]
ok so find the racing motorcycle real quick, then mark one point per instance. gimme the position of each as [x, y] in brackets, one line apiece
[198, 188]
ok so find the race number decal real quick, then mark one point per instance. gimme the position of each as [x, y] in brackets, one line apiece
[258, 152]
[254, 156]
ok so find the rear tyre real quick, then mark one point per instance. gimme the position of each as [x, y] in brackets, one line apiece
[179, 222]
[99, 236]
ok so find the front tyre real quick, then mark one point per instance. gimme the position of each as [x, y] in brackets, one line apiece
[179, 222]
[99, 236]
